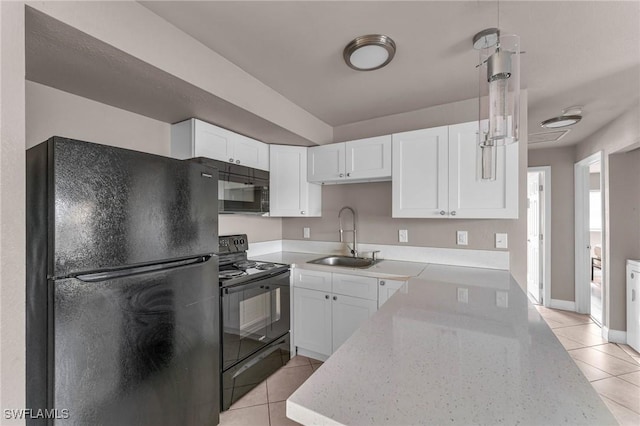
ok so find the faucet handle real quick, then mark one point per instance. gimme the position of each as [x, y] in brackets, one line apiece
[373, 254]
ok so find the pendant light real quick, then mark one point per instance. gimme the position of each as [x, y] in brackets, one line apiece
[498, 95]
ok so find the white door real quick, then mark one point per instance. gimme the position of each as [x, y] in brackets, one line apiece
[369, 158]
[250, 152]
[312, 320]
[386, 289]
[420, 185]
[470, 196]
[349, 313]
[288, 189]
[326, 163]
[534, 265]
[633, 304]
[213, 142]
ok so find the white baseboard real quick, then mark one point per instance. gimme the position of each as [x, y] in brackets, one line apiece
[614, 336]
[565, 305]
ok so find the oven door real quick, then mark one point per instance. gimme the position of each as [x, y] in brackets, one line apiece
[254, 314]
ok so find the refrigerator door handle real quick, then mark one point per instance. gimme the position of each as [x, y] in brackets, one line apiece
[107, 275]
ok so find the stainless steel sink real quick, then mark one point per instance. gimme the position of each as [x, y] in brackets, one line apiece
[345, 261]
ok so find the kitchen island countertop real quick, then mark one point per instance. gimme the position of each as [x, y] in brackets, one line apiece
[458, 346]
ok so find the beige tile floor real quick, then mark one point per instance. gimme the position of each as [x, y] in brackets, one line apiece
[612, 369]
[265, 404]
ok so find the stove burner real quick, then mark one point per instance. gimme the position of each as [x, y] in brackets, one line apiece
[231, 274]
[245, 264]
[266, 266]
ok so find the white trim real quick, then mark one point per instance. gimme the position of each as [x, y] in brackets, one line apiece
[565, 305]
[546, 277]
[614, 336]
[582, 253]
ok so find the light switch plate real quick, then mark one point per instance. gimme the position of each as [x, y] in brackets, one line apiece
[502, 299]
[403, 236]
[306, 232]
[462, 238]
[463, 295]
[501, 241]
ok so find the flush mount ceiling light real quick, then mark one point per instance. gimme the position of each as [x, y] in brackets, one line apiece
[569, 117]
[369, 52]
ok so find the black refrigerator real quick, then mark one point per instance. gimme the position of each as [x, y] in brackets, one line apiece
[122, 287]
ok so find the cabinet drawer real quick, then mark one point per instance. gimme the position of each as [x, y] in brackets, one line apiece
[356, 286]
[313, 280]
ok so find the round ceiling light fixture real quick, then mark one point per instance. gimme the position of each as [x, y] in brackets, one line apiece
[569, 117]
[369, 52]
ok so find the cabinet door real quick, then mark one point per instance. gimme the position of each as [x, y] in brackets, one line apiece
[290, 193]
[250, 152]
[349, 313]
[356, 286]
[633, 305]
[368, 158]
[312, 320]
[312, 280]
[469, 195]
[326, 163]
[419, 173]
[386, 289]
[212, 142]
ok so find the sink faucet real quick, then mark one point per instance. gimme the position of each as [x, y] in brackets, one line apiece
[354, 250]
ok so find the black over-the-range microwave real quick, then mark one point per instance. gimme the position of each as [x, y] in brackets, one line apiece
[241, 189]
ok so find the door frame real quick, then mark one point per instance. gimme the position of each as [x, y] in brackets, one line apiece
[582, 237]
[545, 171]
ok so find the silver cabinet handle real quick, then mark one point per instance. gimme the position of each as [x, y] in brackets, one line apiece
[453, 213]
[237, 161]
[302, 212]
[632, 276]
[335, 297]
[382, 283]
[442, 212]
[231, 160]
[348, 174]
[326, 296]
[341, 175]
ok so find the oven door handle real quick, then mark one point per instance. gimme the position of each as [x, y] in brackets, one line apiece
[243, 287]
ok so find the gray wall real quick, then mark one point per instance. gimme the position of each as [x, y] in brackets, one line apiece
[562, 235]
[624, 228]
[51, 112]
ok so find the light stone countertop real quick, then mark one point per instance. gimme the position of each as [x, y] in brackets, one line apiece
[426, 358]
[391, 269]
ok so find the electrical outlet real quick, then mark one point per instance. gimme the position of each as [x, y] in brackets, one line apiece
[463, 295]
[403, 236]
[462, 238]
[501, 241]
[306, 232]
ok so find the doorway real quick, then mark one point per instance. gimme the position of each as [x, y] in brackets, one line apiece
[589, 248]
[539, 235]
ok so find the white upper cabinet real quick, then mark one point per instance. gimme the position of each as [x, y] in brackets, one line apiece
[437, 174]
[470, 196]
[290, 193]
[195, 138]
[420, 186]
[362, 160]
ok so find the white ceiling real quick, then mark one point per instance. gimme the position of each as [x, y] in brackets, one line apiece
[577, 52]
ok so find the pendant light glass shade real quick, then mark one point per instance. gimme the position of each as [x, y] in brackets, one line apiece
[499, 92]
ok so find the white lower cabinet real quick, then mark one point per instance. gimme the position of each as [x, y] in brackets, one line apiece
[324, 316]
[386, 289]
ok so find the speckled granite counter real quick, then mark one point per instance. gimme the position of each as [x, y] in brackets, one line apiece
[427, 358]
[392, 269]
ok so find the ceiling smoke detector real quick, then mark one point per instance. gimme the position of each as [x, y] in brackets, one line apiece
[569, 117]
[369, 52]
